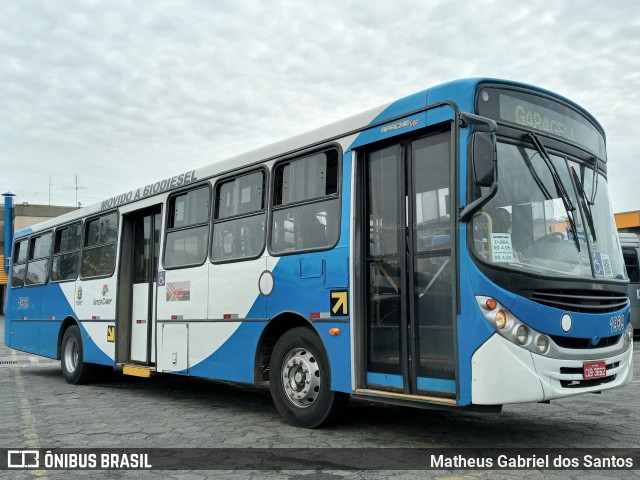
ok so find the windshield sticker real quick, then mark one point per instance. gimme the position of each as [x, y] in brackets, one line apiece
[501, 248]
[582, 236]
[602, 264]
[606, 265]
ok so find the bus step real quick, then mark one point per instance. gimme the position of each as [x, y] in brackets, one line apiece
[137, 370]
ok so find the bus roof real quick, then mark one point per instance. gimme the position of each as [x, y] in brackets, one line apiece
[461, 92]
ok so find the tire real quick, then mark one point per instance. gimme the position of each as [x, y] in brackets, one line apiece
[74, 370]
[300, 380]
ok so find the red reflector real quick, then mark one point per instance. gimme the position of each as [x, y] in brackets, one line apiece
[174, 317]
[226, 316]
[315, 315]
[138, 321]
[94, 317]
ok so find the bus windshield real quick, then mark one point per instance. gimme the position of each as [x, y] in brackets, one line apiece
[527, 225]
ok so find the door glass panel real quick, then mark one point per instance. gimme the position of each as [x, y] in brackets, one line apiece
[141, 249]
[385, 278]
[432, 277]
[383, 202]
[384, 317]
[432, 269]
[157, 219]
[431, 191]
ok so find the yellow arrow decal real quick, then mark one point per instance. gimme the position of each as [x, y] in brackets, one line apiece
[339, 304]
[111, 333]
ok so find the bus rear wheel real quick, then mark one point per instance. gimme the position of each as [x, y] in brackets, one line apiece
[300, 380]
[74, 370]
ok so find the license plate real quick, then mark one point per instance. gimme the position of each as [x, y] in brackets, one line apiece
[594, 370]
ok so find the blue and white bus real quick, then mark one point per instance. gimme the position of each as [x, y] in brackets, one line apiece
[452, 249]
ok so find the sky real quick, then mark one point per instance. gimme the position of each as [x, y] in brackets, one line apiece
[123, 93]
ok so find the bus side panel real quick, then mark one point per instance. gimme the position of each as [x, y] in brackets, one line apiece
[184, 294]
[38, 333]
[49, 338]
[91, 351]
[25, 336]
[235, 345]
[95, 306]
[300, 286]
[473, 329]
[234, 291]
[57, 304]
[225, 350]
[339, 351]
[33, 298]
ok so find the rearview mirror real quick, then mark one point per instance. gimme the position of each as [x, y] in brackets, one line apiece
[483, 157]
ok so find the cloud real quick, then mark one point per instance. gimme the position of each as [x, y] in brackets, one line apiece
[123, 93]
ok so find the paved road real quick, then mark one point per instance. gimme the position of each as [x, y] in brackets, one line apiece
[38, 409]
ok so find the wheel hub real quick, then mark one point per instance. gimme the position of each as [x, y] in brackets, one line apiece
[71, 354]
[301, 377]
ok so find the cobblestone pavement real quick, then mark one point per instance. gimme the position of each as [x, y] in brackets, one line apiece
[38, 409]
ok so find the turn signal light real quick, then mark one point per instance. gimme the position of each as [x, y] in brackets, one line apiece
[334, 331]
[491, 303]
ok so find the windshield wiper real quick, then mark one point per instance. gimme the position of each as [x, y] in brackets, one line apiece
[568, 204]
[585, 202]
[594, 182]
[534, 174]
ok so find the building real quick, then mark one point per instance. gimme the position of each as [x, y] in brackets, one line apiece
[24, 215]
[628, 222]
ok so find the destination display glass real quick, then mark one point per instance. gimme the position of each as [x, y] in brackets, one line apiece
[541, 114]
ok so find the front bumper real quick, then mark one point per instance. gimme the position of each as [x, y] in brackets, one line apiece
[503, 373]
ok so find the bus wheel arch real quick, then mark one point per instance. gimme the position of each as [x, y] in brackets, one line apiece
[276, 327]
[68, 322]
[71, 354]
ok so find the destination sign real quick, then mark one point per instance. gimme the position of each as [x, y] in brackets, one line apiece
[542, 114]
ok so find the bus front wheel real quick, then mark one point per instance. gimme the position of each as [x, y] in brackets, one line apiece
[74, 369]
[300, 380]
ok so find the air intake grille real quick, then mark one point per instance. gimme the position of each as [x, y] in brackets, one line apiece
[581, 300]
[584, 343]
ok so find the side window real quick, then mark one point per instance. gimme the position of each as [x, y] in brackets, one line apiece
[631, 262]
[306, 208]
[238, 229]
[187, 228]
[66, 253]
[19, 263]
[99, 248]
[38, 266]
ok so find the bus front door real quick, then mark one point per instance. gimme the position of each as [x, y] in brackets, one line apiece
[409, 274]
[146, 246]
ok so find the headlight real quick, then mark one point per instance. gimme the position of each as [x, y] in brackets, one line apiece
[507, 325]
[522, 335]
[501, 319]
[542, 344]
